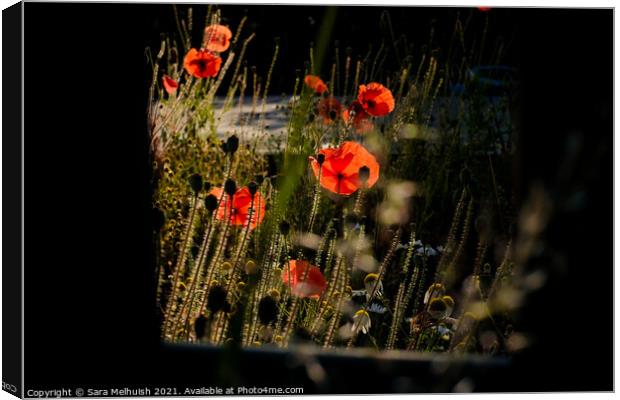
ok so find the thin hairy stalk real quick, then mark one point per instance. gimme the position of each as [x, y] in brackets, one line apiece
[347, 71]
[402, 297]
[180, 266]
[382, 268]
[220, 77]
[266, 90]
[331, 329]
[315, 201]
[241, 54]
[188, 300]
[235, 266]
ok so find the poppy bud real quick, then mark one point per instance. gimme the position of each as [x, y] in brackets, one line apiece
[159, 219]
[200, 326]
[232, 144]
[364, 174]
[320, 158]
[253, 187]
[267, 310]
[217, 299]
[211, 202]
[224, 146]
[230, 187]
[285, 228]
[195, 181]
[207, 186]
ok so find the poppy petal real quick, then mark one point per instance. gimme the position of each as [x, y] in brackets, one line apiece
[170, 85]
[217, 38]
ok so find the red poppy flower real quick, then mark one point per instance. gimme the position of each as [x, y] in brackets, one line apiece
[484, 8]
[340, 169]
[376, 99]
[202, 63]
[315, 83]
[330, 109]
[360, 119]
[239, 210]
[170, 84]
[314, 284]
[217, 38]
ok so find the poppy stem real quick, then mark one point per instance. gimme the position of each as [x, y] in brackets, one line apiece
[190, 297]
[358, 202]
[180, 266]
[386, 260]
[217, 258]
[272, 254]
[235, 266]
[315, 200]
[294, 306]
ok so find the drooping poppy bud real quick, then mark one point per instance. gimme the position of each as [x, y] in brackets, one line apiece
[252, 187]
[211, 202]
[230, 187]
[195, 181]
[267, 310]
[217, 299]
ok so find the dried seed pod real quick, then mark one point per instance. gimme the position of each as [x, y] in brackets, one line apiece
[230, 187]
[211, 202]
[232, 144]
[253, 188]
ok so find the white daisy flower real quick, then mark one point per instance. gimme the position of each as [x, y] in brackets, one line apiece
[369, 283]
[361, 322]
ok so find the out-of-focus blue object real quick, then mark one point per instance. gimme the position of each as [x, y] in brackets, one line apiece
[491, 79]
